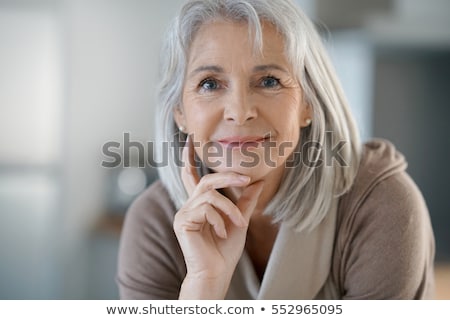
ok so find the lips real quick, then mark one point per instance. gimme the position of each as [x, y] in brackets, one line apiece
[242, 141]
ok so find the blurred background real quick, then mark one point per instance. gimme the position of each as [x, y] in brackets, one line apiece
[76, 74]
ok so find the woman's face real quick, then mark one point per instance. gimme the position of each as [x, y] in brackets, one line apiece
[243, 107]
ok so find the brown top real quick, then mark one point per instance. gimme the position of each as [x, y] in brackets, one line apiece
[376, 244]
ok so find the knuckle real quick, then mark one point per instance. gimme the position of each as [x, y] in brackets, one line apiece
[204, 180]
[211, 197]
[205, 208]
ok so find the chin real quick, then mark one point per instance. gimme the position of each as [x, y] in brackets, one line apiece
[255, 173]
[255, 166]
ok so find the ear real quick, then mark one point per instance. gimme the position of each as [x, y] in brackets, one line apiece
[179, 118]
[306, 116]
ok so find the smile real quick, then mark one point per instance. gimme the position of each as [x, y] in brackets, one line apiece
[242, 141]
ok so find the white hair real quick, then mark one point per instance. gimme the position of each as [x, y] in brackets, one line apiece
[306, 192]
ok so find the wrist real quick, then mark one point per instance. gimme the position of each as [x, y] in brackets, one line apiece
[204, 287]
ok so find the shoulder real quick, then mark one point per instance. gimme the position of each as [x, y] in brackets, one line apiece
[384, 240]
[154, 201]
[151, 213]
[150, 216]
[382, 179]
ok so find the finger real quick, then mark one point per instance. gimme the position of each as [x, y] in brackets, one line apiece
[219, 181]
[249, 198]
[189, 174]
[196, 219]
[222, 203]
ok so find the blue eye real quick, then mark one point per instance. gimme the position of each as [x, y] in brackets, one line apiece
[270, 82]
[209, 84]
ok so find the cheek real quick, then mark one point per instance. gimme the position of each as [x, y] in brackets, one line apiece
[285, 114]
[196, 116]
[201, 115]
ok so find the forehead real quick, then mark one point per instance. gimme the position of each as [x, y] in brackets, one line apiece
[228, 40]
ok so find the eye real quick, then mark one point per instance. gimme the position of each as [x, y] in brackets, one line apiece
[209, 84]
[270, 82]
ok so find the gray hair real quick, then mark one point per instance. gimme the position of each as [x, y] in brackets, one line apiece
[306, 193]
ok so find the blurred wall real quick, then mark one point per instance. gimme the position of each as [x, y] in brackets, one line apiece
[106, 56]
[30, 150]
[112, 50]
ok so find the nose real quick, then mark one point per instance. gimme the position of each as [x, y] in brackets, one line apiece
[239, 107]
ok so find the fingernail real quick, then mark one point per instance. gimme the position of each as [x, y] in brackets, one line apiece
[244, 178]
[223, 234]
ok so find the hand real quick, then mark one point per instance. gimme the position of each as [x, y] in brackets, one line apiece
[211, 229]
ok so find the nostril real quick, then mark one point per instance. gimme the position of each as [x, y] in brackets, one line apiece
[239, 119]
[240, 114]
[239, 107]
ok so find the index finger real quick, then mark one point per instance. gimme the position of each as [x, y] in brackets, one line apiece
[189, 174]
[249, 199]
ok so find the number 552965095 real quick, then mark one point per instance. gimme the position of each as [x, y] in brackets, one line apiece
[306, 309]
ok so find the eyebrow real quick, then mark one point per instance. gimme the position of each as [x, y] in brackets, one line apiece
[212, 68]
[269, 67]
[218, 69]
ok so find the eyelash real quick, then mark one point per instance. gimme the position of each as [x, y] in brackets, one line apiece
[271, 78]
[204, 81]
[260, 83]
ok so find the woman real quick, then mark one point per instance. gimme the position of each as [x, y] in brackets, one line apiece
[274, 197]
